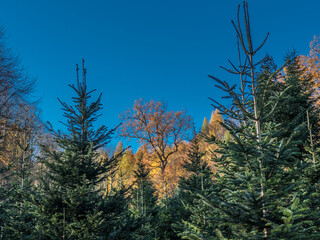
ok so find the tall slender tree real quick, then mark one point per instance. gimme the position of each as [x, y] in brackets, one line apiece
[194, 222]
[256, 190]
[72, 204]
[144, 201]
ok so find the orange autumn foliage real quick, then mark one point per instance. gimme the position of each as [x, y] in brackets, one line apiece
[164, 145]
[215, 129]
[311, 62]
[162, 132]
[310, 66]
[166, 182]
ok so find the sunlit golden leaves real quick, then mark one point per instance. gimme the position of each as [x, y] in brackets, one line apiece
[311, 62]
[215, 129]
[161, 131]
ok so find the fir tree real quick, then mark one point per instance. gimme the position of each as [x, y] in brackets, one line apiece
[297, 100]
[256, 191]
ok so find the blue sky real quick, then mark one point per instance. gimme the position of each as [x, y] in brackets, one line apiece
[160, 50]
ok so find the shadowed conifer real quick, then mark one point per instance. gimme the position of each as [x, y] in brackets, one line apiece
[72, 204]
[256, 190]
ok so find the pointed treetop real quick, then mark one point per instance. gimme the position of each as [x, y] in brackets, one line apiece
[205, 125]
[215, 117]
[81, 117]
[84, 74]
[119, 147]
[215, 127]
[77, 70]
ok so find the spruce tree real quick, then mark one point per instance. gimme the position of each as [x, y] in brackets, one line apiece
[144, 202]
[72, 204]
[194, 222]
[171, 212]
[17, 212]
[17, 218]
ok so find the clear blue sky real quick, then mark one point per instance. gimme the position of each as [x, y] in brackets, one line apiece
[148, 49]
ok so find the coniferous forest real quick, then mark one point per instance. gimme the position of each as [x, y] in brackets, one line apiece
[251, 172]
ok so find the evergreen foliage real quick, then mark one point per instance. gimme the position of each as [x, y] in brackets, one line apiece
[16, 215]
[71, 204]
[194, 222]
[144, 202]
[297, 100]
[262, 179]
[171, 212]
[257, 191]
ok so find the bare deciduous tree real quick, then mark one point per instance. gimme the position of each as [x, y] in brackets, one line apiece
[161, 130]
